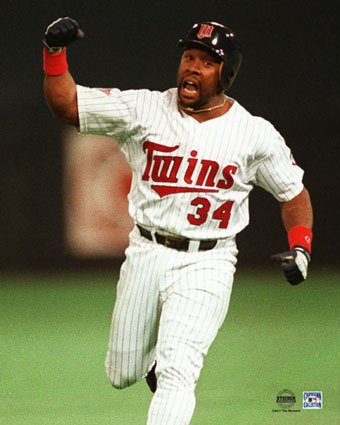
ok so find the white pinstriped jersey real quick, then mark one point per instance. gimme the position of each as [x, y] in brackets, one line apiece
[189, 178]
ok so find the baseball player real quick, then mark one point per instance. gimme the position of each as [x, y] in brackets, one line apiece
[195, 155]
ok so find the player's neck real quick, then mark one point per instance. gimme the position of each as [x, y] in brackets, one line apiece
[209, 112]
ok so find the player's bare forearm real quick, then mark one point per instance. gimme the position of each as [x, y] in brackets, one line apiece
[297, 217]
[61, 97]
[298, 211]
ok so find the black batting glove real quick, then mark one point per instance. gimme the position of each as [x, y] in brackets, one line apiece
[294, 264]
[61, 33]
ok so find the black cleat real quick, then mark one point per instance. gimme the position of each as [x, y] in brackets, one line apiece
[151, 379]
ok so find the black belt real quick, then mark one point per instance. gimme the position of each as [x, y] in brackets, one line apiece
[181, 244]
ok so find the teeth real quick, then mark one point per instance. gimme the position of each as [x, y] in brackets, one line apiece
[190, 85]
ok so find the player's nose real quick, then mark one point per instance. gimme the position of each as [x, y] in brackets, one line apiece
[194, 66]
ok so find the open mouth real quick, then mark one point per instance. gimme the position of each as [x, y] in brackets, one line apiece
[190, 86]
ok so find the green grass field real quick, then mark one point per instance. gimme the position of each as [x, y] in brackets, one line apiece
[54, 330]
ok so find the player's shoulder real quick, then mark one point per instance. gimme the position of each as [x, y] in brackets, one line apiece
[121, 93]
[154, 95]
[162, 101]
[133, 96]
[257, 122]
[160, 96]
[257, 119]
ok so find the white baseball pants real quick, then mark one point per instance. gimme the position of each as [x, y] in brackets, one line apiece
[169, 308]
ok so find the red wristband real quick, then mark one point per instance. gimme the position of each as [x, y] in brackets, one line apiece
[300, 236]
[55, 63]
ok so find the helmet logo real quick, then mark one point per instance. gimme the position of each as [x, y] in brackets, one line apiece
[205, 31]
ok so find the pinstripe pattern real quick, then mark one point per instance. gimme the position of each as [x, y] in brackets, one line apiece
[135, 318]
[250, 143]
[169, 307]
[186, 175]
[195, 307]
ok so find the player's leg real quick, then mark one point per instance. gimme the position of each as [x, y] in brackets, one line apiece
[134, 326]
[193, 311]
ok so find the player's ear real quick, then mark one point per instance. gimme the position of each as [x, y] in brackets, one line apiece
[220, 85]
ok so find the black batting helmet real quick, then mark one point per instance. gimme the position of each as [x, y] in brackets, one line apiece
[221, 41]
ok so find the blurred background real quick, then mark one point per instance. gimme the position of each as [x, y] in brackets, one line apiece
[63, 197]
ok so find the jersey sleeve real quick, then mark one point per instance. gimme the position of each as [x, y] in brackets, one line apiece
[278, 173]
[106, 112]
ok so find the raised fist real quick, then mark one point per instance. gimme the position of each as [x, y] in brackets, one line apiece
[61, 33]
